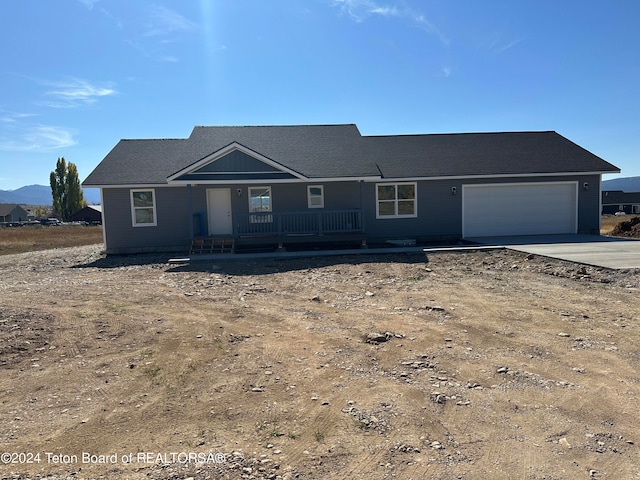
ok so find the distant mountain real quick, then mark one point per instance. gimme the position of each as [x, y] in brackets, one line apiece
[627, 184]
[29, 195]
[41, 195]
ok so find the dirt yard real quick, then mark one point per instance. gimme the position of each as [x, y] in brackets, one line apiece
[474, 365]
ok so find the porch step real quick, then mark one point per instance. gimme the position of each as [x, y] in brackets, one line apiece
[212, 245]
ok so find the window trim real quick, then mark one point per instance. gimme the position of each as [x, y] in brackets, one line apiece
[249, 189]
[261, 216]
[134, 223]
[396, 200]
[309, 196]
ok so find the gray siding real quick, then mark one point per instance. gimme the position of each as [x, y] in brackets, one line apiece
[172, 230]
[440, 212]
[337, 196]
[589, 204]
[235, 166]
[235, 162]
[288, 197]
[16, 214]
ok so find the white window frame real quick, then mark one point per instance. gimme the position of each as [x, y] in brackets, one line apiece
[396, 200]
[310, 196]
[134, 222]
[260, 218]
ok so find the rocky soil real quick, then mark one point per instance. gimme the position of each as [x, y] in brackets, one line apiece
[627, 228]
[456, 365]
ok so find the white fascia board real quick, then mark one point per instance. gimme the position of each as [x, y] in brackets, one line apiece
[372, 178]
[274, 181]
[132, 185]
[225, 151]
[472, 177]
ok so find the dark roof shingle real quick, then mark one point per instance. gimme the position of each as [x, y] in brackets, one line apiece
[340, 151]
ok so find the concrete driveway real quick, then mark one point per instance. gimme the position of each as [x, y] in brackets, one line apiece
[608, 252]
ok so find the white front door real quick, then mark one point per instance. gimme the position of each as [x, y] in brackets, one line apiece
[219, 209]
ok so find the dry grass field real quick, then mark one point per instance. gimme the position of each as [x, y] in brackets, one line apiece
[609, 222]
[34, 238]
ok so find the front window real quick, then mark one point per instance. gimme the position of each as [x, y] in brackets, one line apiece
[315, 196]
[260, 202]
[396, 200]
[143, 208]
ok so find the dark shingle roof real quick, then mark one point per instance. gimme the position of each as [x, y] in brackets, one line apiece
[469, 154]
[311, 150]
[334, 151]
[618, 197]
[7, 208]
[138, 162]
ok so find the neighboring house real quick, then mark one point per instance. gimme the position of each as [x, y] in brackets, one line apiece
[618, 201]
[291, 184]
[11, 212]
[89, 214]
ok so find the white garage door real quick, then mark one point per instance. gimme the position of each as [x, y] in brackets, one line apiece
[519, 209]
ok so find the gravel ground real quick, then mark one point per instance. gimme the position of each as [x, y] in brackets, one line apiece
[476, 364]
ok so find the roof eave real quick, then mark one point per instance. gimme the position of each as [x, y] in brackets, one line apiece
[491, 175]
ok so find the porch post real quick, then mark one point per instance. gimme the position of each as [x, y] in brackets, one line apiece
[362, 216]
[190, 195]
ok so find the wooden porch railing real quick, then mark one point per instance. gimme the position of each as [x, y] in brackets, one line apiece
[298, 223]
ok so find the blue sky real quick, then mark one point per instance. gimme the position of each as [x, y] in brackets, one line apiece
[78, 75]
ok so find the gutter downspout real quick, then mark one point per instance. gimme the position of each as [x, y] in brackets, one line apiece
[190, 195]
[363, 215]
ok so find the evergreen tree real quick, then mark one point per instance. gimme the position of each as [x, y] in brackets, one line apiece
[65, 189]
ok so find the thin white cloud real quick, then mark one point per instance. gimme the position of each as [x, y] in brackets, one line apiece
[36, 138]
[430, 28]
[113, 18]
[163, 21]
[48, 137]
[153, 51]
[506, 46]
[385, 11]
[498, 41]
[13, 117]
[75, 92]
[88, 3]
[360, 10]
[169, 58]
[162, 29]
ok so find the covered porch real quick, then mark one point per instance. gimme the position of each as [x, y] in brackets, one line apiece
[287, 228]
[297, 223]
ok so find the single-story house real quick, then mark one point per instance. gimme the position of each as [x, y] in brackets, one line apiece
[89, 214]
[11, 212]
[311, 183]
[614, 201]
